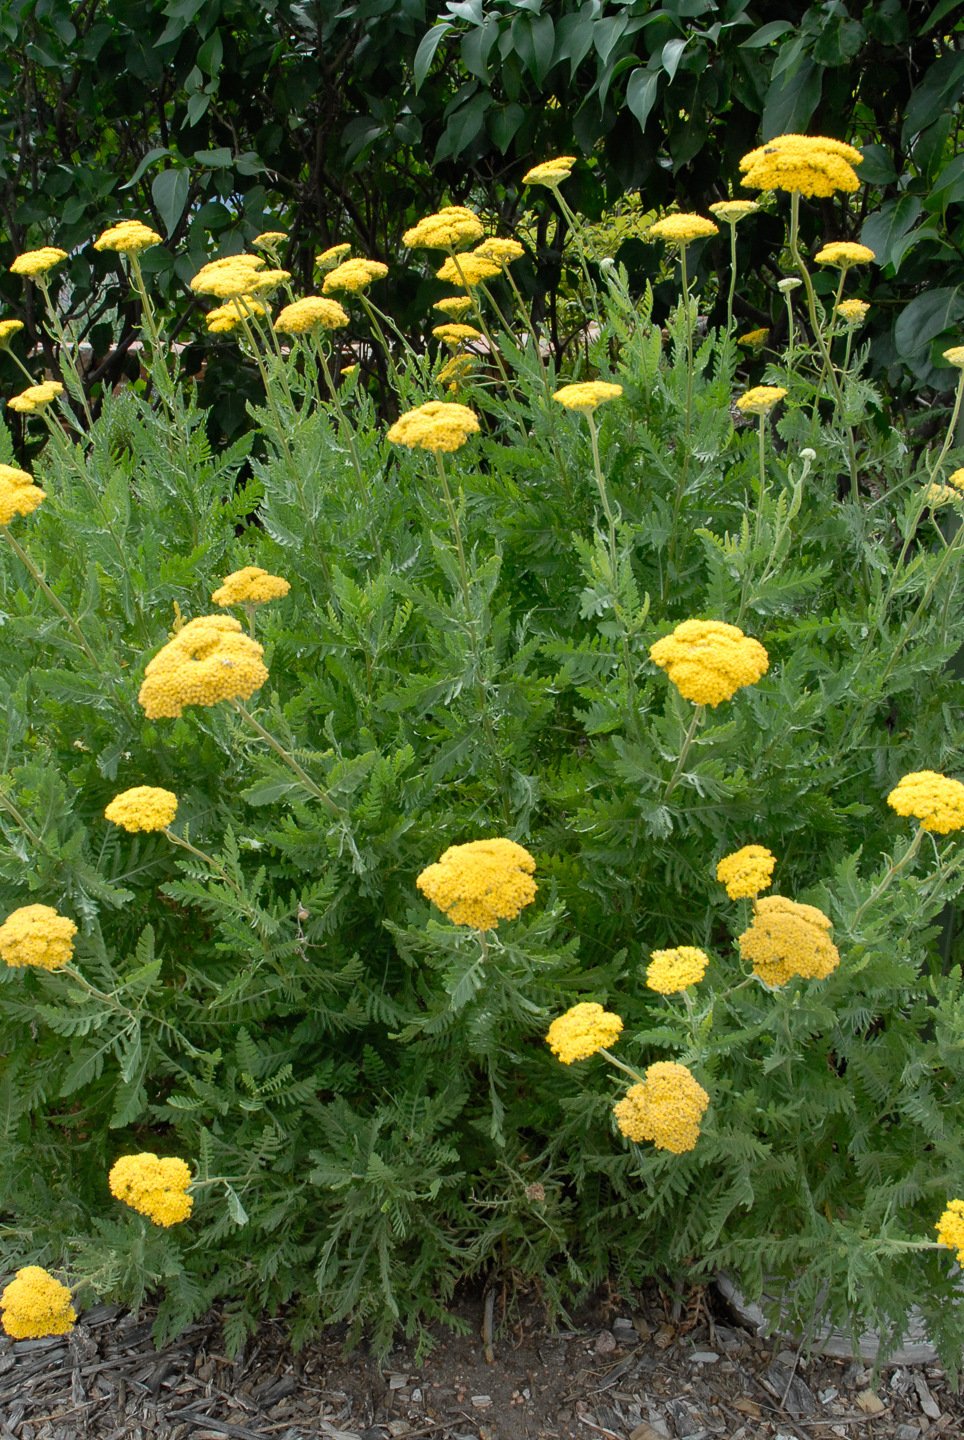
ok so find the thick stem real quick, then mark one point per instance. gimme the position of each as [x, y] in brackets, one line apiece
[732, 292]
[889, 878]
[688, 739]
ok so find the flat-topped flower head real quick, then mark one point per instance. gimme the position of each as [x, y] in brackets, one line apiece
[842, 254]
[956, 478]
[37, 935]
[208, 660]
[250, 586]
[454, 305]
[787, 940]
[809, 164]
[584, 1030]
[468, 270]
[35, 1305]
[747, 872]
[264, 280]
[227, 277]
[481, 883]
[760, 399]
[502, 252]
[586, 395]
[225, 318]
[456, 370]
[450, 228]
[937, 495]
[733, 211]
[38, 262]
[708, 661]
[311, 313]
[754, 339]
[437, 425]
[788, 284]
[142, 808]
[550, 172]
[331, 257]
[35, 397]
[18, 493]
[127, 237]
[671, 971]
[853, 312]
[682, 229]
[353, 276]
[153, 1187]
[8, 329]
[950, 1228]
[955, 356]
[270, 239]
[666, 1109]
[935, 800]
[455, 334]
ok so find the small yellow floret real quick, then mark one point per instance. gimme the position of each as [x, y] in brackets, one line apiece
[787, 939]
[956, 478]
[353, 276]
[454, 305]
[467, 270]
[666, 1109]
[18, 493]
[502, 252]
[732, 211]
[128, 237]
[950, 1228]
[311, 313]
[329, 258]
[38, 262]
[844, 253]
[437, 425]
[269, 239]
[455, 334]
[853, 312]
[227, 277]
[754, 339]
[670, 971]
[8, 329]
[449, 229]
[250, 586]
[550, 172]
[456, 369]
[810, 164]
[935, 800]
[35, 1305]
[37, 935]
[481, 883]
[942, 495]
[153, 1187]
[144, 807]
[708, 661]
[761, 399]
[746, 873]
[35, 397]
[587, 394]
[208, 660]
[583, 1030]
[681, 229]
[955, 356]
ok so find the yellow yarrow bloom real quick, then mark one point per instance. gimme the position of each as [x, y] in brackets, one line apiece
[38, 262]
[35, 397]
[681, 229]
[935, 800]
[733, 211]
[311, 313]
[353, 276]
[153, 1187]
[144, 807]
[666, 1109]
[18, 493]
[35, 1305]
[708, 661]
[208, 660]
[227, 278]
[761, 399]
[671, 971]
[550, 172]
[481, 883]
[950, 1228]
[942, 495]
[754, 339]
[455, 334]
[955, 356]
[454, 305]
[853, 312]
[502, 252]
[787, 939]
[956, 478]
[270, 238]
[8, 329]
[37, 935]
[456, 369]
[450, 228]
[250, 586]
[810, 164]
[128, 237]
[330, 257]
[263, 280]
[225, 318]
[845, 253]
[746, 873]
[437, 425]
[586, 395]
[583, 1030]
[467, 270]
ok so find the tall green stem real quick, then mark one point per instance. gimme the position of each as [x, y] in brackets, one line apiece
[289, 760]
[688, 738]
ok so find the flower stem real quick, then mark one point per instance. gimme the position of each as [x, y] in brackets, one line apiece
[688, 739]
[288, 759]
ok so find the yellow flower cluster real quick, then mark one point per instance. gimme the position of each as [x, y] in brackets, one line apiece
[153, 1187]
[708, 661]
[311, 313]
[481, 883]
[746, 873]
[666, 1109]
[225, 318]
[38, 262]
[449, 229]
[8, 329]
[754, 338]
[468, 270]
[455, 370]
[942, 495]
[353, 276]
[670, 971]
[37, 935]
[269, 239]
[587, 394]
[128, 237]
[935, 800]
[35, 397]
[227, 277]
[35, 1305]
[761, 399]
[144, 807]
[956, 478]
[955, 356]
[436, 425]
[206, 661]
[810, 164]
[845, 253]
[732, 211]
[550, 172]
[681, 229]
[250, 586]
[18, 493]
[503, 252]
[950, 1228]
[584, 1029]
[455, 334]
[853, 312]
[330, 257]
[787, 939]
[454, 305]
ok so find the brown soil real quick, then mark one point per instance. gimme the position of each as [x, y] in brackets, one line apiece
[626, 1371]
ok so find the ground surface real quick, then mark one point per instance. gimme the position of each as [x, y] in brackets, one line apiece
[627, 1371]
